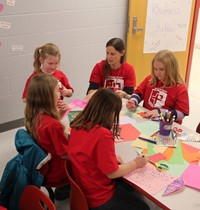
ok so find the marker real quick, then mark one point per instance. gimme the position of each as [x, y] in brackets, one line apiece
[173, 118]
[148, 140]
[161, 117]
[155, 119]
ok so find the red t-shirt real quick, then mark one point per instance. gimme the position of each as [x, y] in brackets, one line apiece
[59, 75]
[93, 156]
[119, 78]
[51, 137]
[175, 98]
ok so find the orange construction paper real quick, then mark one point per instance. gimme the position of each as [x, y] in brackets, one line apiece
[128, 132]
[168, 153]
[190, 153]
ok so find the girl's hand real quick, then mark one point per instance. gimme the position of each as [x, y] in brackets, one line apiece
[141, 161]
[130, 105]
[151, 114]
[62, 106]
[66, 92]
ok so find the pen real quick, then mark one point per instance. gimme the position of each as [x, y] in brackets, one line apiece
[148, 140]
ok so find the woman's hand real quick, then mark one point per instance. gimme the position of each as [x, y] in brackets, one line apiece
[89, 95]
[130, 105]
[121, 93]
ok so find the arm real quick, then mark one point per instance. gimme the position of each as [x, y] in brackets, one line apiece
[126, 92]
[139, 162]
[91, 90]
[65, 88]
[66, 92]
[135, 99]
[92, 87]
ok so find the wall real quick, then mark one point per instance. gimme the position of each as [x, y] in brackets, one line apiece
[80, 28]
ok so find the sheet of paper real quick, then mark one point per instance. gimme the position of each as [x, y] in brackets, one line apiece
[191, 176]
[128, 132]
[157, 157]
[150, 179]
[139, 144]
[147, 128]
[125, 120]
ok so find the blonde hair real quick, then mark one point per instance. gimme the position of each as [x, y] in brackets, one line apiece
[43, 52]
[40, 99]
[172, 74]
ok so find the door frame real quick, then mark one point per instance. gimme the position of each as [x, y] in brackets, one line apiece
[192, 40]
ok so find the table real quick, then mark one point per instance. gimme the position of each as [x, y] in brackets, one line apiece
[188, 199]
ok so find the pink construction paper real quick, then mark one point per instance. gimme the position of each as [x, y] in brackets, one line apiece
[191, 176]
[150, 179]
[1, 7]
[79, 103]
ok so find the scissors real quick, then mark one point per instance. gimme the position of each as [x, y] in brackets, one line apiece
[160, 166]
[177, 130]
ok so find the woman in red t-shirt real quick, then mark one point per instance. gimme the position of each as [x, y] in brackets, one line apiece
[113, 72]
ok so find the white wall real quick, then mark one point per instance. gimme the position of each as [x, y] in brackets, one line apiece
[80, 28]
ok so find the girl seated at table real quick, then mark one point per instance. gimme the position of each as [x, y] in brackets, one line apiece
[163, 90]
[95, 165]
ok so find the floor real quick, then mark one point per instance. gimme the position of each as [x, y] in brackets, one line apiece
[7, 138]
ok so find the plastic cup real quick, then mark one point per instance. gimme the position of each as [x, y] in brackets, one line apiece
[165, 128]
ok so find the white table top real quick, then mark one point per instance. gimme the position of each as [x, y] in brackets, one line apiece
[188, 199]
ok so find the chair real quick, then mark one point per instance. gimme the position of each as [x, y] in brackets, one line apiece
[2, 208]
[198, 128]
[33, 198]
[49, 187]
[77, 198]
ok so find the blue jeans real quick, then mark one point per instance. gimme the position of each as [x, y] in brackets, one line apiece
[125, 198]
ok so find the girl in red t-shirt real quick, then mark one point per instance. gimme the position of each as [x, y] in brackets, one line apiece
[46, 61]
[95, 165]
[163, 90]
[42, 122]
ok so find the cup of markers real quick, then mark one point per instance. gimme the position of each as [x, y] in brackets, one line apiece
[165, 123]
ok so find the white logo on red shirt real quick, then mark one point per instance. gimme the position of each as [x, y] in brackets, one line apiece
[157, 97]
[114, 82]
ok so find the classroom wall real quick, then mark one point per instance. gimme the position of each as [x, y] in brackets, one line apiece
[80, 28]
